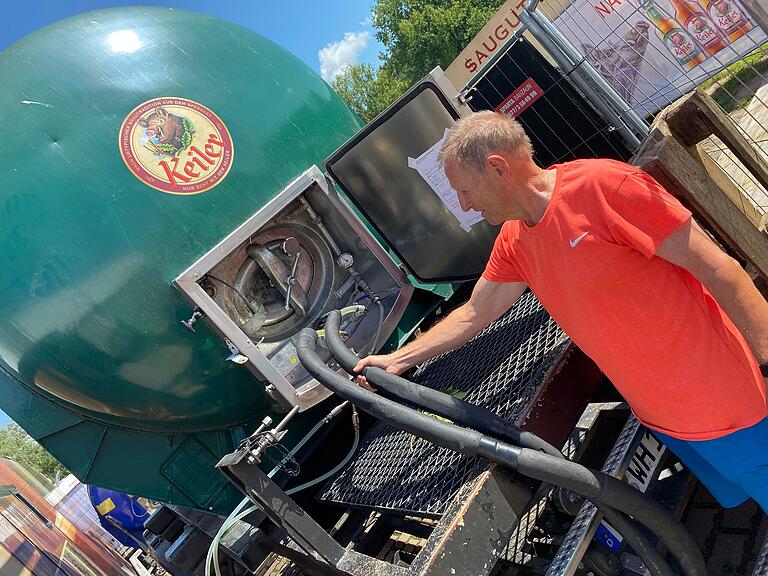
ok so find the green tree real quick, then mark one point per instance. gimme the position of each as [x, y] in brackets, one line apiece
[21, 447]
[368, 90]
[421, 34]
[417, 36]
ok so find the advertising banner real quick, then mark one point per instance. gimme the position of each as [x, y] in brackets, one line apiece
[653, 51]
[491, 38]
[495, 37]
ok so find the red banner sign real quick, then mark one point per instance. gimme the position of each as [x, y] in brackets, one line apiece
[523, 96]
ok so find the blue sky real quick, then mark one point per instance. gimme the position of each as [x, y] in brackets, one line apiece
[337, 31]
[326, 34]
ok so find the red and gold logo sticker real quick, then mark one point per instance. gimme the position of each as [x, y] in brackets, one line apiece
[176, 145]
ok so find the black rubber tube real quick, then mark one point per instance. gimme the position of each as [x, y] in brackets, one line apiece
[596, 486]
[446, 435]
[603, 489]
[480, 419]
[460, 411]
[632, 536]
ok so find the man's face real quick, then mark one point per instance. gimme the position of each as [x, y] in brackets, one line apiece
[477, 191]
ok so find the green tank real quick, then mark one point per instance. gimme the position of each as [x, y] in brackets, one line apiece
[134, 141]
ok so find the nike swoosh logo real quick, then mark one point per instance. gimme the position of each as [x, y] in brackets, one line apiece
[573, 243]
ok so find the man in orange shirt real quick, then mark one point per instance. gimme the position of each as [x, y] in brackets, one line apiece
[675, 323]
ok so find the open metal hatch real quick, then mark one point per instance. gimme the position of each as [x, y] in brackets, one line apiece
[374, 171]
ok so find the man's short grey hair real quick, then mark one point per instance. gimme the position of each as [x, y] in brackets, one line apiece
[473, 138]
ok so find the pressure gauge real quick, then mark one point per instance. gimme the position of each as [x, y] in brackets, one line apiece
[345, 260]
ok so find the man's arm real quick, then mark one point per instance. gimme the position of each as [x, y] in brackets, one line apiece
[488, 302]
[689, 247]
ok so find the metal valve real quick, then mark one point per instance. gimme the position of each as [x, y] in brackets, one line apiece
[234, 353]
[196, 315]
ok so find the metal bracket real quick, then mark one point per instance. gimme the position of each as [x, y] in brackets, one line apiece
[234, 353]
[279, 507]
[473, 531]
[464, 96]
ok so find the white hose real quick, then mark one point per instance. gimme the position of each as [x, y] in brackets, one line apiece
[238, 514]
[354, 308]
[340, 465]
[213, 551]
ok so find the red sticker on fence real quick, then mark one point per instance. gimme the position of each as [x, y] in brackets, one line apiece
[523, 96]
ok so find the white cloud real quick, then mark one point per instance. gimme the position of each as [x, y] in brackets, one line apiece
[338, 55]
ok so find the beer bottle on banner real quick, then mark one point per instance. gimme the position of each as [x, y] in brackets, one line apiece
[729, 17]
[694, 20]
[675, 38]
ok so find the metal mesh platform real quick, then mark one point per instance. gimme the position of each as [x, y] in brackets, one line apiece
[500, 369]
[761, 565]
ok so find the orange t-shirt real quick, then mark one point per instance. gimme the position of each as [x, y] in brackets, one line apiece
[651, 327]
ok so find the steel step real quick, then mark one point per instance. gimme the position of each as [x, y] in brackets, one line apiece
[579, 536]
[761, 564]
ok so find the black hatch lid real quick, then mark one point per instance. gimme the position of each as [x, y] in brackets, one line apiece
[380, 170]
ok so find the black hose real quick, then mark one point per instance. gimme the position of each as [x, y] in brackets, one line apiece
[599, 487]
[446, 435]
[651, 557]
[467, 414]
[602, 489]
[480, 419]
[460, 411]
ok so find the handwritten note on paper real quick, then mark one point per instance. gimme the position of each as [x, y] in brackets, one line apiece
[434, 175]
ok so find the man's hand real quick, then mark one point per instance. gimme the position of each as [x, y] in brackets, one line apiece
[388, 362]
[489, 301]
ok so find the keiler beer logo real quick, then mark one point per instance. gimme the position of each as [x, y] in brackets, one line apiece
[176, 145]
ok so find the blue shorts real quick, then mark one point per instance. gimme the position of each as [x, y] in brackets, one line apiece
[733, 467]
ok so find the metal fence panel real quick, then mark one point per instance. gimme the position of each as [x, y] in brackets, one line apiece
[561, 123]
[654, 51]
[629, 59]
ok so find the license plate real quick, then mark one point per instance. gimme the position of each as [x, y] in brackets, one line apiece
[644, 462]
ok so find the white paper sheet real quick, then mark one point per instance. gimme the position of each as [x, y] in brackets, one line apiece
[434, 175]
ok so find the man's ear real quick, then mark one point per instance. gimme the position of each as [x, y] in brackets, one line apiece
[496, 164]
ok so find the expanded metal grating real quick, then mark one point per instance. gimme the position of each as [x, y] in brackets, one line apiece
[761, 566]
[500, 369]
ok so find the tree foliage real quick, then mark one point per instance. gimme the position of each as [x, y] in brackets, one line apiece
[367, 90]
[22, 448]
[421, 34]
[417, 36]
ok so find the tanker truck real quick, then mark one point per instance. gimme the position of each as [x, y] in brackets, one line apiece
[168, 229]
